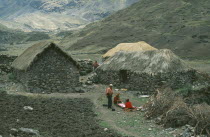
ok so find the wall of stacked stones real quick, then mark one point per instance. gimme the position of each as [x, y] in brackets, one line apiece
[7, 60]
[51, 72]
[5, 63]
[147, 83]
[85, 65]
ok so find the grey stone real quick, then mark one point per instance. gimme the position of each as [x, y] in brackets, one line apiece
[29, 131]
[89, 83]
[77, 89]
[144, 82]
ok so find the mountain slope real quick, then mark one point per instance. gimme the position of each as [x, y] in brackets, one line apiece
[182, 26]
[50, 15]
[10, 36]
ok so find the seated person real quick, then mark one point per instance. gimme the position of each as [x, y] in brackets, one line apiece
[117, 99]
[128, 106]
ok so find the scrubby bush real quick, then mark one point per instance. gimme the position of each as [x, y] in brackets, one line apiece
[173, 110]
[200, 118]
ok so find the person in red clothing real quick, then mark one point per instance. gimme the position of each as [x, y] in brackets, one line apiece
[128, 106]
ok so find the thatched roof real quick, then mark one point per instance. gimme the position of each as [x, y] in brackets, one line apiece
[153, 61]
[139, 46]
[26, 59]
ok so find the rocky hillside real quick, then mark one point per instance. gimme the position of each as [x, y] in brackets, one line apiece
[50, 15]
[10, 36]
[181, 25]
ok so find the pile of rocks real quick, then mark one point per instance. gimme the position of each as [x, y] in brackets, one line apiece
[4, 69]
[5, 63]
[85, 66]
[92, 78]
[6, 59]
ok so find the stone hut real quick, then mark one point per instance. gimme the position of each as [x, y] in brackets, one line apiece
[145, 71]
[127, 47]
[45, 67]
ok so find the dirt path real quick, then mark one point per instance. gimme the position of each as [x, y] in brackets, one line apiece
[105, 115]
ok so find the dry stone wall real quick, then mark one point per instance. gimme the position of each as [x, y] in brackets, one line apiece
[147, 83]
[85, 66]
[51, 72]
[5, 63]
[7, 60]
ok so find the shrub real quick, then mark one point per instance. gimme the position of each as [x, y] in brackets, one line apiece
[12, 76]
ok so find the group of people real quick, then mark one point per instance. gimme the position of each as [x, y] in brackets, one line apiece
[109, 92]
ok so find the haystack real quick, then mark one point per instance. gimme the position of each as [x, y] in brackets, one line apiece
[139, 46]
[45, 67]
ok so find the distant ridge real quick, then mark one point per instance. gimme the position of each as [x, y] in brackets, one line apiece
[56, 15]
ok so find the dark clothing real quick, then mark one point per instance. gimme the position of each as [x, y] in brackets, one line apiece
[109, 101]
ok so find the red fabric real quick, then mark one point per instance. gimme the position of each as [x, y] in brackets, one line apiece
[128, 105]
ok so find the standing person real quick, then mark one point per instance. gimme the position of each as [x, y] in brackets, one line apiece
[109, 93]
[95, 65]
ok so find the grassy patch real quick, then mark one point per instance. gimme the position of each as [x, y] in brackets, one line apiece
[200, 65]
[129, 123]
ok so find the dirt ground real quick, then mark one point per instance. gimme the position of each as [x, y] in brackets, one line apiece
[76, 115]
[51, 116]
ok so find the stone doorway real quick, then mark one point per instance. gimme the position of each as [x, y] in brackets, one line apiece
[123, 76]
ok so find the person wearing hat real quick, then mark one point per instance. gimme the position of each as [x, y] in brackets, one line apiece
[109, 93]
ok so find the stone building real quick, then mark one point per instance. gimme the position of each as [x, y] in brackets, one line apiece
[45, 67]
[146, 70]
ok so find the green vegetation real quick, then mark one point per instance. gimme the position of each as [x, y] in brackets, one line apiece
[10, 36]
[129, 123]
[185, 91]
[12, 76]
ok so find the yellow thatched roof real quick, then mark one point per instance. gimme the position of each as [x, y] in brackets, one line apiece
[139, 46]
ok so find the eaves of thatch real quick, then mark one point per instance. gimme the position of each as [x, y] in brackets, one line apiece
[152, 62]
[30, 55]
[139, 46]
